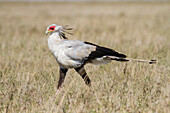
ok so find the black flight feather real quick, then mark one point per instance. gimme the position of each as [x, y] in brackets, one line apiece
[103, 51]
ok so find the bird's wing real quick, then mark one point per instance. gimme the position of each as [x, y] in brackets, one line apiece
[103, 51]
[80, 50]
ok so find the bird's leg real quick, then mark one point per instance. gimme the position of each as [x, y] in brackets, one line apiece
[62, 77]
[83, 74]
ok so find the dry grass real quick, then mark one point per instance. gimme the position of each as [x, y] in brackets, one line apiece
[29, 73]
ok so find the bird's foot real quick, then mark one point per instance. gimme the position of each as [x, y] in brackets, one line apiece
[57, 92]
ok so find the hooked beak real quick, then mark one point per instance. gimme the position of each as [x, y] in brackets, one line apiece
[47, 31]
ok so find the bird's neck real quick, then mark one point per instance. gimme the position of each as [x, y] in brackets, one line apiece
[55, 37]
[54, 41]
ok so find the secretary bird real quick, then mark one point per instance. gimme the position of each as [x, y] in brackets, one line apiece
[75, 54]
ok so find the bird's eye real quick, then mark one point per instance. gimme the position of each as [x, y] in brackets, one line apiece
[51, 28]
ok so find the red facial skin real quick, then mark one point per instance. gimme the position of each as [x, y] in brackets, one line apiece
[52, 28]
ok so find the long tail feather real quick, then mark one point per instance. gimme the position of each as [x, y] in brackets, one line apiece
[130, 59]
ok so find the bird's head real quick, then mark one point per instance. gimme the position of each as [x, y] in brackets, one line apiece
[60, 29]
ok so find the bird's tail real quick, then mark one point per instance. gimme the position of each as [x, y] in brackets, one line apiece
[130, 59]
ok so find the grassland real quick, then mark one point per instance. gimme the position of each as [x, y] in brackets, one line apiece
[29, 73]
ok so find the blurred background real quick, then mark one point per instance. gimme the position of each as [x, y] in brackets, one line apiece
[83, 0]
[29, 74]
